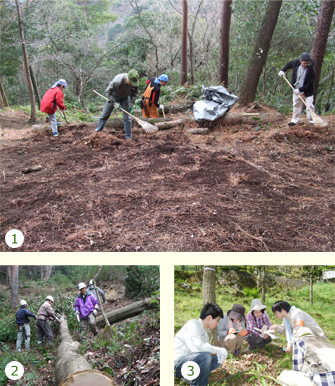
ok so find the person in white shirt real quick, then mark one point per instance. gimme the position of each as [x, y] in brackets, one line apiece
[191, 343]
[293, 320]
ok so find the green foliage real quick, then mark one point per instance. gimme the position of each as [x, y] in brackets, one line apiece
[251, 292]
[142, 281]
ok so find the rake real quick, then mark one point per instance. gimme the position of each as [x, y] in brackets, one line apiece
[60, 111]
[146, 126]
[318, 121]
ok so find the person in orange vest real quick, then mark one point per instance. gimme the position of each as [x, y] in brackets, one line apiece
[51, 99]
[150, 98]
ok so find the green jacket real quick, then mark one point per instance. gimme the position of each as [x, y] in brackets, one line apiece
[119, 87]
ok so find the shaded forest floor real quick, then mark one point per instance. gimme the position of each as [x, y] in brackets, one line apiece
[130, 358]
[243, 187]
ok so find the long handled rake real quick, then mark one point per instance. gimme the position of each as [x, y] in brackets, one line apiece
[63, 115]
[316, 119]
[147, 127]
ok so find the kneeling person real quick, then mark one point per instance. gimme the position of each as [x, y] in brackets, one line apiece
[191, 343]
[86, 306]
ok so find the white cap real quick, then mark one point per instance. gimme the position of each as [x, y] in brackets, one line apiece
[22, 303]
[50, 298]
[91, 282]
[81, 285]
[256, 304]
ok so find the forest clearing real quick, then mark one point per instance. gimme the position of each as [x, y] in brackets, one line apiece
[250, 185]
[242, 284]
[126, 352]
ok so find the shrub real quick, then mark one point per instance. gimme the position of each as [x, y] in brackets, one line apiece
[142, 281]
[252, 292]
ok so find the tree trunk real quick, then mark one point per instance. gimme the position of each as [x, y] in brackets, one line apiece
[71, 368]
[3, 95]
[249, 85]
[224, 46]
[14, 299]
[263, 283]
[311, 286]
[26, 66]
[208, 296]
[33, 79]
[321, 38]
[9, 276]
[258, 276]
[330, 90]
[183, 73]
[126, 312]
[190, 38]
[47, 272]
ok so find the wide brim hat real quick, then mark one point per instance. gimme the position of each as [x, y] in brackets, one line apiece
[237, 312]
[133, 77]
[256, 305]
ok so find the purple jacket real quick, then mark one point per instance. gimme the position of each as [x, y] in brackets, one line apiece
[85, 308]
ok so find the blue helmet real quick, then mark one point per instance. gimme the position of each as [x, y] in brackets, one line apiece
[164, 78]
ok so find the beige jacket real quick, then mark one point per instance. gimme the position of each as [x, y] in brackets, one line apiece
[46, 311]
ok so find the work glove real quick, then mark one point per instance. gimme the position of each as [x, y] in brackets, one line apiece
[129, 109]
[95, 311]
[161, 107]
[297, 92]
[116, 105]
[222, 355]
[281, 73]
[77, 312]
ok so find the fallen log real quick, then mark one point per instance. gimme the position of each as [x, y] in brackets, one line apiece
[128, 311]
[199, 130]
[71, 368]
[168, 124]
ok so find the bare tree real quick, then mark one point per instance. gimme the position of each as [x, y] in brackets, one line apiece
[26, 65]
[263, 283]
[183, 71]
[224, 37]
[3, 95]
[209, 296]
[9, 276]
[321, 38]
[14, 298]
[249, 85]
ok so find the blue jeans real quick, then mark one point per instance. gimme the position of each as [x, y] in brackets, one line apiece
[107, 111]
[207, 363]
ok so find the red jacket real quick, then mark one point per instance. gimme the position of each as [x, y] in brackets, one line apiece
[52, 98]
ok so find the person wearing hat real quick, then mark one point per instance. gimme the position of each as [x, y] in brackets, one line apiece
[86, 307]
[122, 90]
[191, 343]
[92, 290]
[257, 317]
[43, 315]
[23, 327]
[52, 99]
[293, 319]
[231, 329]
[303, 75]
[150, 98]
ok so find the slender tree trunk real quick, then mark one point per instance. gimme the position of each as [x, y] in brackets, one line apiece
[249, 85]
[263, 283]
[9, 276]
[26, 66]
[183, 74]
[33, 79]
[224, 46]
[330, 90]
[48, 269]
[14, 299]
[321, 38]
[209, 296]
[190, 38]
[311, 286]
[3, 95]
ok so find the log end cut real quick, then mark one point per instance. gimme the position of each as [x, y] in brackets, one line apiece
[88, 378]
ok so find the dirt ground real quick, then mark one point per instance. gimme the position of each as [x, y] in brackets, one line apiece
[243, 187]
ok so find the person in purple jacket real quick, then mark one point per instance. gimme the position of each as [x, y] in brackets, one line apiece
[86, 307]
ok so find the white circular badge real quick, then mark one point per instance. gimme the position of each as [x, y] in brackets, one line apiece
[14, 370]
[190, 370]
[14, 238]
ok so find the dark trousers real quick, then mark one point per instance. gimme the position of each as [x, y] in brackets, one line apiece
[43, 330]
[256, 341]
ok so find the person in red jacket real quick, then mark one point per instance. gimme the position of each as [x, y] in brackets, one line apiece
[53, 98]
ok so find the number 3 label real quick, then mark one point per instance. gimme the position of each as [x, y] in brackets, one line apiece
[14, 370]
[190, 370]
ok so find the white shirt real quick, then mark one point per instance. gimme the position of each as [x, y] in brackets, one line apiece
[309, 322]
[192, 338]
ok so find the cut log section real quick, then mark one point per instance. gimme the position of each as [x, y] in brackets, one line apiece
[128, 311]
[71, 368]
